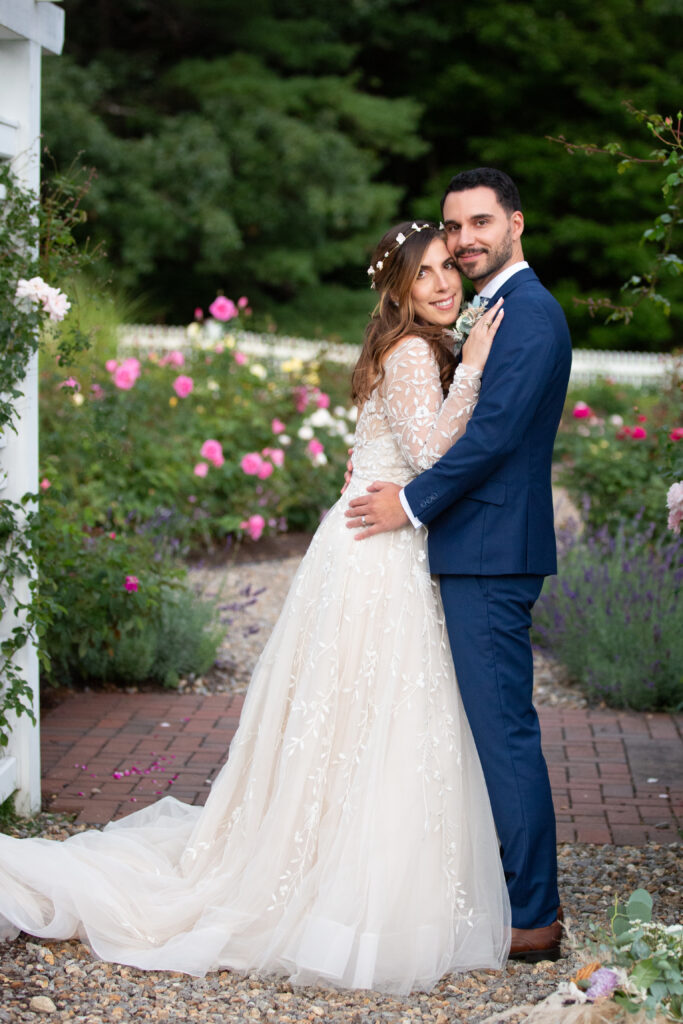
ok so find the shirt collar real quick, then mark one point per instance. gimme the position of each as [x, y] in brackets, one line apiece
[490, 289]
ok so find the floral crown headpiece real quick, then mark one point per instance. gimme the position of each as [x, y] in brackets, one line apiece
[400, 239]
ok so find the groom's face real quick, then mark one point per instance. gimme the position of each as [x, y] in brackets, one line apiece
[481, 236]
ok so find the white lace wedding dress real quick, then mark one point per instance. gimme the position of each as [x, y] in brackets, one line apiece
[348, 841]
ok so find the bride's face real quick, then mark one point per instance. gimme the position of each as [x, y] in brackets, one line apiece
[437, 291]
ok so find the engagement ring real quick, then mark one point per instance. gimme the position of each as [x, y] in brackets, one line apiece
[362, 520]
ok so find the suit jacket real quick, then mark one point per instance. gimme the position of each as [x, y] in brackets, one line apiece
[488, 500]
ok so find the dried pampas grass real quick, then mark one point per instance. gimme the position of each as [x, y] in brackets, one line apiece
[604, 1011]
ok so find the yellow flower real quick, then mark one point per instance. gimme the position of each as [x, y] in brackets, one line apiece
[229, 340]
[604, 443]
[193, 330]
[292, 366]
[173, 401]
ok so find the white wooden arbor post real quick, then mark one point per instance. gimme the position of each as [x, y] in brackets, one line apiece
[27, 29]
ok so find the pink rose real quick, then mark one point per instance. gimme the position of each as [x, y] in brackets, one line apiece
[315, 447]
[251, 463]
[70, 382]
[112, 535]
[175, 358]
[641, 418]
[45, 484]
[264, 470]
[240, 358]
[132, 584]
[110, 365]
[322, 400]
[201, 469]
[199, 313]
[278, 427]
[277, 457]
[254, 526]
[222, 308]
[183, 386]
[300, 398]
[582, 411]
[639, 433]
[213, 451]
[219, 349]
[676, 434]
[97, 392]
[124, 377]
[243, 302]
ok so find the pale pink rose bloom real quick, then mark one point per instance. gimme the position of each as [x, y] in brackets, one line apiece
[132, 364]
[264, 470]
[199, 313]
[124, 377]
[183, 386]
[222, 308]
[111, 365]
[240, 358]
[70, 382]
[278, 427]
[219, 349]
[97, 391]
[175, 358]
[213, 451]
[315, 447]
[55, 303]
[277, 457]
[251, 463]
[322, 400]
[674, 502]
[153, 357]
[45, 484]
[254, 526]
[201, 469]
[132, 584]
[243, 302]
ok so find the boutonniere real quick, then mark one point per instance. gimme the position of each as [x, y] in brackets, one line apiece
[465, 322]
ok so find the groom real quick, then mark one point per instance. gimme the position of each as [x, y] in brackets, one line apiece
[488, 504]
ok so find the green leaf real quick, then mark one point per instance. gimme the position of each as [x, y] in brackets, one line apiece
[645, 973]
[639, 906]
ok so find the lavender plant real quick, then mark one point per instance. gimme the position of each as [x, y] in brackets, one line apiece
[613, 616]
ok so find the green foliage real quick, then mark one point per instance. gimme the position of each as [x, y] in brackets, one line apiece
[266, 148]
[617, 451]
[612, 617]
[645, 958]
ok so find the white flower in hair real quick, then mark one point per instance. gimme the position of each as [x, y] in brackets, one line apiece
[380, 264]
[371, 271]
[400, 238]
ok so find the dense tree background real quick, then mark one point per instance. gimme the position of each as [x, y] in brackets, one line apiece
[262, 148]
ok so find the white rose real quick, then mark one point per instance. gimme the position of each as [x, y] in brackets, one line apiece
[320, 418]
[259, 371]
[305, 433]
[284, 439]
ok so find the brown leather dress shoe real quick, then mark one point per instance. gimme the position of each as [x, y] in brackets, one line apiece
[534, 944]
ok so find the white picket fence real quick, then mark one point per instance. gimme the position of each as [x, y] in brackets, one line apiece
[637, 368]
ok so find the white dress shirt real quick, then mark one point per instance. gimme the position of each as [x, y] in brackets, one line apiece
[487, 292]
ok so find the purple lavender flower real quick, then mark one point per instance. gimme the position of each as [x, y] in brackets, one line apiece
[603, 983]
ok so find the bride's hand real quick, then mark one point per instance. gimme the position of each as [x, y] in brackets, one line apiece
[476, 349]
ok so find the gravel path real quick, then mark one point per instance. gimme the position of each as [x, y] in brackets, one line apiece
[81, 989]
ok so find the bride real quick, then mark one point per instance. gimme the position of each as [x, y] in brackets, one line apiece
[348, 841]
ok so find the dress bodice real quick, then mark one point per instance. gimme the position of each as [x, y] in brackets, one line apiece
[406, 425]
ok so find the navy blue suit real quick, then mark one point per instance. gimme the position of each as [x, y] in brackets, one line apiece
[488, 505]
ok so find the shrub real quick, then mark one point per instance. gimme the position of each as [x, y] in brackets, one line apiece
[618, 450]
[613, 615]
[119, 610]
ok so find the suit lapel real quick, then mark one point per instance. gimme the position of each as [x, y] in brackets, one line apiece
[521, 277]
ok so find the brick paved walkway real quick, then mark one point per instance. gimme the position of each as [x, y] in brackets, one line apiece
[617, 777]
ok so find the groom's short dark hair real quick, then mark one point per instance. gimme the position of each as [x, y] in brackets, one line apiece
[502, 184]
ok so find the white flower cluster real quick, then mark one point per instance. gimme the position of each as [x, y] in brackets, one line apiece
[53, 301]
[337, 425]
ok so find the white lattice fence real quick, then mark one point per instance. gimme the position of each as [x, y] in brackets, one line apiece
[636, 368]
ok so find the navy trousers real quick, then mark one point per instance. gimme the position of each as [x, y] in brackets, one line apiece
[488, 620]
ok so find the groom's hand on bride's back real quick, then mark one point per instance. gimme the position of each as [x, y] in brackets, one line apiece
[349, 472]
[377, 511]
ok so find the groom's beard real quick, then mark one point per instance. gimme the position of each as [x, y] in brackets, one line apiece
[489, 263]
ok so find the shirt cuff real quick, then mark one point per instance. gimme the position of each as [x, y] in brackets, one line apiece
[407, 509]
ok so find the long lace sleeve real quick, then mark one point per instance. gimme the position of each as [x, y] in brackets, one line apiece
[423, 424]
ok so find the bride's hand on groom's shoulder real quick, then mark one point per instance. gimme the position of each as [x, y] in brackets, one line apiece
[377, 511]
[477, 347]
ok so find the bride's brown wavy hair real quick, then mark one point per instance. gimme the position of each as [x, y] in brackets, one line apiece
[394, 315]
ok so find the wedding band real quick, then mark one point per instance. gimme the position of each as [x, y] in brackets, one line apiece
[488, 325]
[362, 520]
